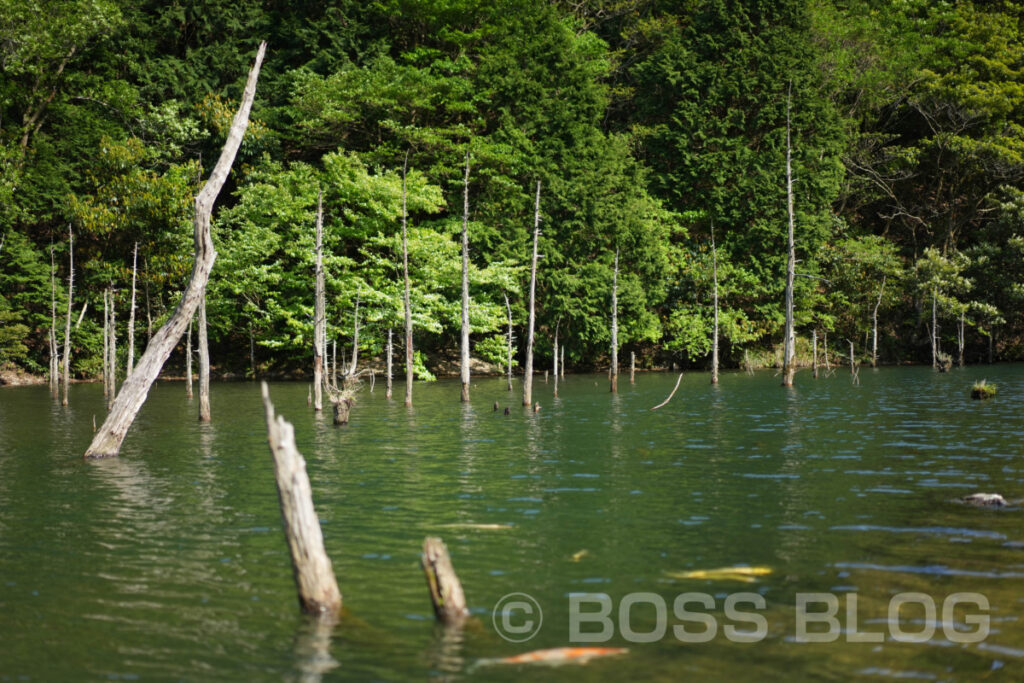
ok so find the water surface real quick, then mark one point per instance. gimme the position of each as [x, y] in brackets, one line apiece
[169, 562]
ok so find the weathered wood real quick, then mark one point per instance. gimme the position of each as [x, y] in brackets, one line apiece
[960, 336]
[342, 408]
[108, 439]
[615, 326]
[204, 363]
[112, 346]
[66, 367]
[814, 352]
[319, 306]
[188, 361]
[555, 356]
[632, 367]
[131, 313]
[54, 374]
[106, 347]
[562, 368]
[508, 338]
[446, 594]
[714, 333]
[387, 391]
[934, 332]
[674, 390]
[789, 345]
[874, 325]
[465, 284]
[528, 369]
[405, 293]
[353, 366]
[314, 575]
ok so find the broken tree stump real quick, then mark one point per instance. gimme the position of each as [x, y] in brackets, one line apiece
[342, 408]
[445, 589]
[314, 575]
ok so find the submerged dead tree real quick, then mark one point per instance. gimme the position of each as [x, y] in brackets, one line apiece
[66, 367]
[112, 350]
[555, 356]
[465, 283]
[387, 392]
[355, 342]
[319, 309]
[405, 274]
[314, 574]
[446, 592]
[131, 313]
[188, 361]
[874, 325]
[107, 441]
[615, 325]
[789, 346]
[508, 339]
[528, 370]
[204, 362]
[54, 353]
[714, 295]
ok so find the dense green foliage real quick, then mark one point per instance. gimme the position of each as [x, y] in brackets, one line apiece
[644, 123]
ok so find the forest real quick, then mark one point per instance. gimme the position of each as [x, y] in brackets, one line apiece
[649, 138]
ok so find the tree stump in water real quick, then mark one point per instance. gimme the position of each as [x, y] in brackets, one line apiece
[342, 407]
[445, 588]
[314, 575]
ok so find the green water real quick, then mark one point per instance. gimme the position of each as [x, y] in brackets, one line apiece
[168, 563]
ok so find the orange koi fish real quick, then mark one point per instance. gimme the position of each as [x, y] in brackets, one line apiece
[558, 655]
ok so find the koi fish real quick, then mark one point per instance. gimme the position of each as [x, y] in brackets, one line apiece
[557, 656]
[579, 555]
[744, 574]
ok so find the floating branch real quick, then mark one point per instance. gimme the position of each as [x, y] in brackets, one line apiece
[674, 389]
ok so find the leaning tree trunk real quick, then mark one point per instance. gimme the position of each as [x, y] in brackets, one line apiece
[107, 441]
[528, 370]
[387, 392]
[874, 325]
[615, 325]
[508, 339]
[131, 313]
[204, 363]
[714, 334]
[789, 350]
[319, 312]
[446, 592]
[66, 370]
[405, 274]
[465, 283]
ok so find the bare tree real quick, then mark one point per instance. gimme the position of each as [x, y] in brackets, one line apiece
[789, 346]
[319, 306]
[391, 353]
[508, 339]
[54, 353]
[188, 361]
[131, 313]
[405, 273]
[66, 369]
[465, 283]
[528, 370]
[615, 325]
[204, 362]
[107, 441]
[714, 333]
[555, 356]
[112, 349]
[355, 339]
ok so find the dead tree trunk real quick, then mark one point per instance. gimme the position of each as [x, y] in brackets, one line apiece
[342, 409]
[853, 365]
[107, 441]
[874, 325]
[828, 363]
[188, 361]
[112, 362]
[615, 325]
[465, 283]
[632, 367]
[528, 369]
[355, 340]
[314, 575]
[387, 392]
[555, 367]
[131, 313]
[54, 375]
[204, 363]
[408, 305]
[714, 334]
[106, 347]
[814, 351]
[508, 362]
[334, 364]
[319, 312]
[789, 350]
[563, 361]
[66, 370]
[446, 593]
[960, 338]
[252, 352]
[935, 329]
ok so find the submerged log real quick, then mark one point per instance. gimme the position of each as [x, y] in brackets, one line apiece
[314, 575]
[446, 593]
[342, 408]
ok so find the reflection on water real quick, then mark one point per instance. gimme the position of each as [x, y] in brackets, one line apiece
[169, 562]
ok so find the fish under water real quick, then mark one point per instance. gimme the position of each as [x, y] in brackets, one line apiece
[556, 656]
[744, 574]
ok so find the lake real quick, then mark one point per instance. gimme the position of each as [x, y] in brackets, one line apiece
[169, 562]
